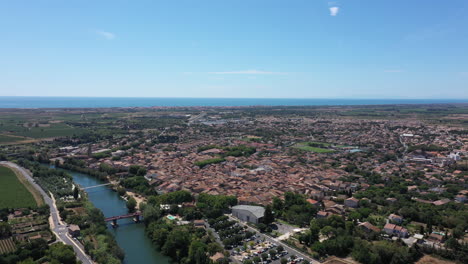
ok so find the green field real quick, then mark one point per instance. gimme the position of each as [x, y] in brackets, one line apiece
[305, 147]
[55, 130]
[8, 139]
[13, 194]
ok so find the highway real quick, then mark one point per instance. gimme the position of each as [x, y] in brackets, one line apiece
[57, 226]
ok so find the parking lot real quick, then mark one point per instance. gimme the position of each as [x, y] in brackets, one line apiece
[265, 251]
[257, 246]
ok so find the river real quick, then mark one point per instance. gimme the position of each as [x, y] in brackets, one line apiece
[130, 236]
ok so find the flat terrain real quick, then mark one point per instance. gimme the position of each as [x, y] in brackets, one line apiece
[13, 193]
[6, 139]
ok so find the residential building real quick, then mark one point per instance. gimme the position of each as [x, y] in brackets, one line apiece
[352, 202]
[395, 218]
[74, 230]
[368, 227]
[396, 230]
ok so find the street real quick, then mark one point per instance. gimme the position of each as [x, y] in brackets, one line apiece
[57, 226]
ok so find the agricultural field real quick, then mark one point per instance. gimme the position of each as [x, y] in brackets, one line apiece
[7, 246]
[53, 130]
[13, 194]
[36, 125]
[8, 139]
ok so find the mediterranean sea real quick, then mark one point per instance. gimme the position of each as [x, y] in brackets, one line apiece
[104, 102]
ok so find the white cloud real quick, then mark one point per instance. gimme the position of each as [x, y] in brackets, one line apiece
[334, 10]
[253, 72]
[393, 70]
[106, 35]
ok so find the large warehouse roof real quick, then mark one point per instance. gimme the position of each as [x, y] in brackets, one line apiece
[258, 211]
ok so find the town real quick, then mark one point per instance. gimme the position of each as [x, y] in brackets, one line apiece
[338, 184]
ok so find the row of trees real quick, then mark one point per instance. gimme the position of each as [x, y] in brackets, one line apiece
[55, 181]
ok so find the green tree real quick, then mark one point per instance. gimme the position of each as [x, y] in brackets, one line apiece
[27, 261]
[452, 243]
[76, 193]
[121, 191]
[62, 253]
[151, 213]
[197, 253]
[5, 229]
[176, 245]
[272, 253]
[268, 216]
[277, 204]
[131, 204]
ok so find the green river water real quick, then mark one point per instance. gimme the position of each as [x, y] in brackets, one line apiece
[130, 236]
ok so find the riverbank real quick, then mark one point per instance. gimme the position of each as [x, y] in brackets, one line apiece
[129, 236]
[58, 228]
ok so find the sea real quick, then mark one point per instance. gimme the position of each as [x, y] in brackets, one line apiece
[105, 102]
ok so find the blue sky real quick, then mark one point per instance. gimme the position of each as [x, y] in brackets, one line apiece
[235, 48]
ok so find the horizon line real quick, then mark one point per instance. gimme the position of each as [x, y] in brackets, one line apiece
[284, 98]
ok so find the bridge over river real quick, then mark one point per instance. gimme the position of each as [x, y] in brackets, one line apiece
[136, 217]
[95, 186]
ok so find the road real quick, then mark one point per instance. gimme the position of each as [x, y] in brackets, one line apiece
[290, 249]
[406, 148]
[57, 226]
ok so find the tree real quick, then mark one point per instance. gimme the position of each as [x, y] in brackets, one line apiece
[452, 243]
[131, 204]
[314, 231]
[76, 193]
[272, 253]
[121, 191]
[63, 253]
[151, 213]
[268, 216]
[5, 229]
[328, 231]
[262, 227]
[280, 248]
[26, 261]
[197, 253]
[141, 172]
[176, 245]
[284, 261]
[277, 204]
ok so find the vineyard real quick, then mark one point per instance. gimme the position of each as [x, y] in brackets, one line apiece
[7, 245]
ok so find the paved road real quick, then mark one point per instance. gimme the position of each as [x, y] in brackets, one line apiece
[291, 250]
[59, 228]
